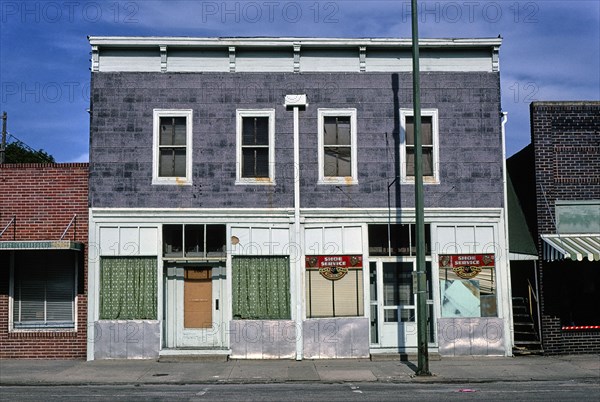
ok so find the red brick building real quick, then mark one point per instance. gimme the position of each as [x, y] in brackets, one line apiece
[43, 260]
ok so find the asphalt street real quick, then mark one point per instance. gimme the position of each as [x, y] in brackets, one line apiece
[519, 391]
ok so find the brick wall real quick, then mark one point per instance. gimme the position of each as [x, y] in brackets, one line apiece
[566, 140]
[44, 198]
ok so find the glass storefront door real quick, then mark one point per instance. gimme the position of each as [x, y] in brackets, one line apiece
[393, 303]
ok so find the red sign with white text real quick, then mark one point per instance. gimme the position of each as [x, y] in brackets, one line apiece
[467, 266]
[343, 261]
[333, 267]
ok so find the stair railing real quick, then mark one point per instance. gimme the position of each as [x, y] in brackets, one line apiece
[533, 295]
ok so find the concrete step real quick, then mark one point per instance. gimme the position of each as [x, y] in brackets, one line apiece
[193, 358]
[404, 357]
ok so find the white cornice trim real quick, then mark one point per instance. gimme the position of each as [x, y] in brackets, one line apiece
[133, 41]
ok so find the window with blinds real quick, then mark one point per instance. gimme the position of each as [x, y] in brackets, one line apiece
[339, 298]
[44, 290]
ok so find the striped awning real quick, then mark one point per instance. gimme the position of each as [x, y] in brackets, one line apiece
[571, 246]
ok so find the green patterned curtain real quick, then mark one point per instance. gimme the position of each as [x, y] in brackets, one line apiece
[128, 288]
[261, 288]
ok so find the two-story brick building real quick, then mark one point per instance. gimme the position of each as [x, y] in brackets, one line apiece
[565, 138]
[255, 197]
[43, 260]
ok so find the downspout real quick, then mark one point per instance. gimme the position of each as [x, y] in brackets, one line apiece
[509, 313]
[295, 102]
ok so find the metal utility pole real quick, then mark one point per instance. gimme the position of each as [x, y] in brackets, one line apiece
[3, 144]
[422, 351]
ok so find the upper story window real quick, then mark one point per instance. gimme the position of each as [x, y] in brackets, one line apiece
[429, 141]
[255, 130]
[172, 147]
[337, 146]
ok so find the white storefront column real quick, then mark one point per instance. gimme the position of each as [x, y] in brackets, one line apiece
[296, 102]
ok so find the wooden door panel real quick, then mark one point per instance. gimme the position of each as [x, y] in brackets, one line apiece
[197, 298]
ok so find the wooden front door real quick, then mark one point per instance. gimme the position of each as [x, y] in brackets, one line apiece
[197, 298]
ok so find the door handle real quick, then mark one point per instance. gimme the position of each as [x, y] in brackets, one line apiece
[216, 304]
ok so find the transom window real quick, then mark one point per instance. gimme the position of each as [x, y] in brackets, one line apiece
[172, 147]
[429, 135]
[337, 146]
[256, 145]
[194, 241]
[401, 241]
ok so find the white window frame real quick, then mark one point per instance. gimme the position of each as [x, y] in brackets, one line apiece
[240, 114]
[156, 179]
[353, 178]
[433, 113]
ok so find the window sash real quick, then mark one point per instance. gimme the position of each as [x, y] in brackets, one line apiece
[255, 161]
[255, 131]
[426, 160]
[172, 161]
[173, 130]
[337, 161]
[337, 131]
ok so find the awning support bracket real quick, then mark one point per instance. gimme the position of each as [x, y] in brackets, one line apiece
[12, 221]
[73, 221]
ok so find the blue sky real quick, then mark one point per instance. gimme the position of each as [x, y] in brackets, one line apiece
[551, 49]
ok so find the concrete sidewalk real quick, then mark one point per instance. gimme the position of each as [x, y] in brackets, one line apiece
[446, 370]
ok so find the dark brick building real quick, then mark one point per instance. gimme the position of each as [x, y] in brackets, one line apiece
[565, 158]
[43, 260]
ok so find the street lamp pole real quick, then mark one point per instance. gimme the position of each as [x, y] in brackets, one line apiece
[422, 351]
